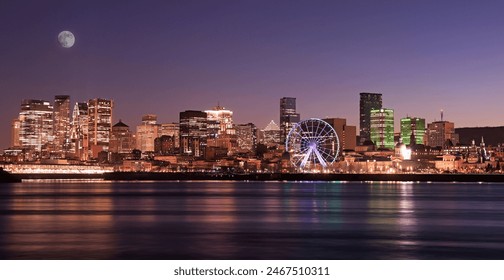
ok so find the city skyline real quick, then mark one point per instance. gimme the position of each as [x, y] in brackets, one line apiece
[163, 58]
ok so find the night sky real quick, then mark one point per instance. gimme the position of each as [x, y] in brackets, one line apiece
[164, 57]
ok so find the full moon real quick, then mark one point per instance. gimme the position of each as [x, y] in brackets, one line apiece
[66, 39]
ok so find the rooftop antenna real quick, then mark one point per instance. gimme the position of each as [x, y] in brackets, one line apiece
[441, 114]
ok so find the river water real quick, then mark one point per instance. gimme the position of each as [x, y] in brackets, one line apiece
[251, 220]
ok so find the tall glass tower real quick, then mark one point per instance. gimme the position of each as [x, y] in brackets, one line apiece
[382, 128]
[412, 130]
[80, 131]
[368, 102]
[146, 133]
[288, 116]
[193, 133]
[36, 125]
[100, 125]
[61, 125]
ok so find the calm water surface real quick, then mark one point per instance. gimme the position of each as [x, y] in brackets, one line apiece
[251, 220]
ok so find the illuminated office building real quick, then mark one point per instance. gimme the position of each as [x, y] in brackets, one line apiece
[288, 116]
[368, 101]
[171, 129]
[15, 129]
[193, 133]
[80, 131]
[382, 128]
[219, 122]
[146, 133]
[412, 130]
[220, 129]
[100, 125]
[441, 134]
[122, 140]
[36, 125]
[61, 125]
[246, 135]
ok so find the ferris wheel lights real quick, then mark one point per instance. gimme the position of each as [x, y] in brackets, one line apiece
[312, 144]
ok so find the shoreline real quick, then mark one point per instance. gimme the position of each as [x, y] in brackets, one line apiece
[279, 177]
[146, 176]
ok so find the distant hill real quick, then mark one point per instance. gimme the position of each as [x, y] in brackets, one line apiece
[492, 135]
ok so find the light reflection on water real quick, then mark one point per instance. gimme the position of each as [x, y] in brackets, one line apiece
[251, 220]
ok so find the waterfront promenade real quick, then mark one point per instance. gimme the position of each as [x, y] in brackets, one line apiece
[420, 177]
[95, 172]
[199, 176]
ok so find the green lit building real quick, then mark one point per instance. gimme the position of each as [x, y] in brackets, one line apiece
[412, 129]
[382, 128]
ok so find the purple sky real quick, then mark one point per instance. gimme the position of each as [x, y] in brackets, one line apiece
[164, 57]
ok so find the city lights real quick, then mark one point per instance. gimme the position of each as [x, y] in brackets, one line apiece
[47, 138]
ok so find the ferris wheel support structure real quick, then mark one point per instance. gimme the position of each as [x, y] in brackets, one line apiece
[312, 143]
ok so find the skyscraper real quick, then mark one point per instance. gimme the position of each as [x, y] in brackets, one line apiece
[382, 128]
[441, 134]
[16, 125]
[288, 116]
[61, 125]
[100, 125]
[220, 121]
[220, 129]
[412, 129]
[246, 136]
[146, 133]
[193, 133]
[368, 101]
[80, 131]
[121, 141]
[36, 125]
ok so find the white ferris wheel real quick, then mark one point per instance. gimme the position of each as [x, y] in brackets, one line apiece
[312, 143]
